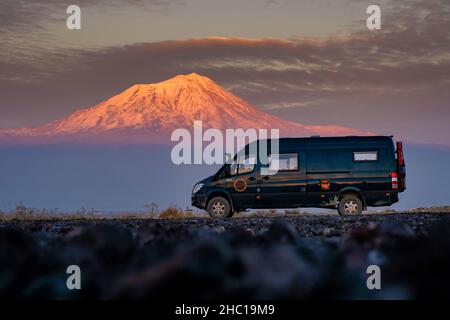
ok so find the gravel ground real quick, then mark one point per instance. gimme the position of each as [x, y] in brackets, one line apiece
[291, 257]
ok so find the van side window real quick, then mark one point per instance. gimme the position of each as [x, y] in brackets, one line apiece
[285, 162]
[365, 156]
[243, 165]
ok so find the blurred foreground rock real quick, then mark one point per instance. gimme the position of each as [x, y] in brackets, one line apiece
[305, 257]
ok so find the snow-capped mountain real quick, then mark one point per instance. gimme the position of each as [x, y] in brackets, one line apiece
[150, 112]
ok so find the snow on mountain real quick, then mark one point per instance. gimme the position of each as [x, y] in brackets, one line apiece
[150, 112]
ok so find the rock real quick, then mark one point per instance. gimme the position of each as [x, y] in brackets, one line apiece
[397, 229]
[219, 229]
[297, 257]
[330, 232]
[276, 273]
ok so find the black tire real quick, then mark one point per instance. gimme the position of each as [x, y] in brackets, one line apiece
[219, 208]
[350, 205]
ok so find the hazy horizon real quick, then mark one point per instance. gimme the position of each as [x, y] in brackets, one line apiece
[112, 178]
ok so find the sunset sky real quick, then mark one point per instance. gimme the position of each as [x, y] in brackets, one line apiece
[313, 62]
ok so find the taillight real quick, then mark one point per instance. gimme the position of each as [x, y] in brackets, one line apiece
[394, 178]
[400, 181]
[400, 158]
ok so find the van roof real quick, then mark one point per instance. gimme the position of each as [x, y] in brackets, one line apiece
[345, 138]
[287, 142]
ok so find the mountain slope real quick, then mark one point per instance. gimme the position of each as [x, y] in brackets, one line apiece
[150, 112]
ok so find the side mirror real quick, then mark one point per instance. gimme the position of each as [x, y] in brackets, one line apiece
[228, 158]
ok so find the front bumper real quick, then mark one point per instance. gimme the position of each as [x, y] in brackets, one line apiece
[198, 201]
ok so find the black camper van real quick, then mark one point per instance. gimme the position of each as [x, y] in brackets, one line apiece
[347, 173]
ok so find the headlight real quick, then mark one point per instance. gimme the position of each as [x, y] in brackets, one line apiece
[197, 188]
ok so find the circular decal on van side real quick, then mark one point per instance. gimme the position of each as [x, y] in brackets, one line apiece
[240, 185]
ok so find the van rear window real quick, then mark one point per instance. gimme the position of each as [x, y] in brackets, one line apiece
[365, 156]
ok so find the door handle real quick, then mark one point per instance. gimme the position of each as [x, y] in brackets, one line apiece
[265, 178]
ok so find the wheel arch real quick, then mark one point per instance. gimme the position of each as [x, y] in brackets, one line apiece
[352, 191]
[219, 193]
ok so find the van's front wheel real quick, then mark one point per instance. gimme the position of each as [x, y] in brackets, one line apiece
[219, 208]
[350, 205]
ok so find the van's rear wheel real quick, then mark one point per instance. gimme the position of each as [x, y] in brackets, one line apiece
[350, 205]
[219, 208]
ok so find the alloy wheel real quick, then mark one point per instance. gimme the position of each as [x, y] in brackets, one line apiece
[218, 208]
[350, 207]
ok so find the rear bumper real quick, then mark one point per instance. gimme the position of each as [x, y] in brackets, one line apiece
[378, 199]
[198, 201]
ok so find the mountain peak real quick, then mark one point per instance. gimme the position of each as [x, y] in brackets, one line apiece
[183, 78]
[192, 75]
[191, 78]
[156, 109]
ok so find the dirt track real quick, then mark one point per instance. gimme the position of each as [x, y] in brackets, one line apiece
[259, 257]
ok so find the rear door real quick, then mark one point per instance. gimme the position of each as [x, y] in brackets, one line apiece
[282, 184]
[361, 166]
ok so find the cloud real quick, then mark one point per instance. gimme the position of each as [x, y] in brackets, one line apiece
[391, 81]
[23, 15]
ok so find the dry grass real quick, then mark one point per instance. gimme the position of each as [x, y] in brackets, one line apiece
[177, 213]
[271, 213]
[293, 212]
[436, 209]
[22, 213]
